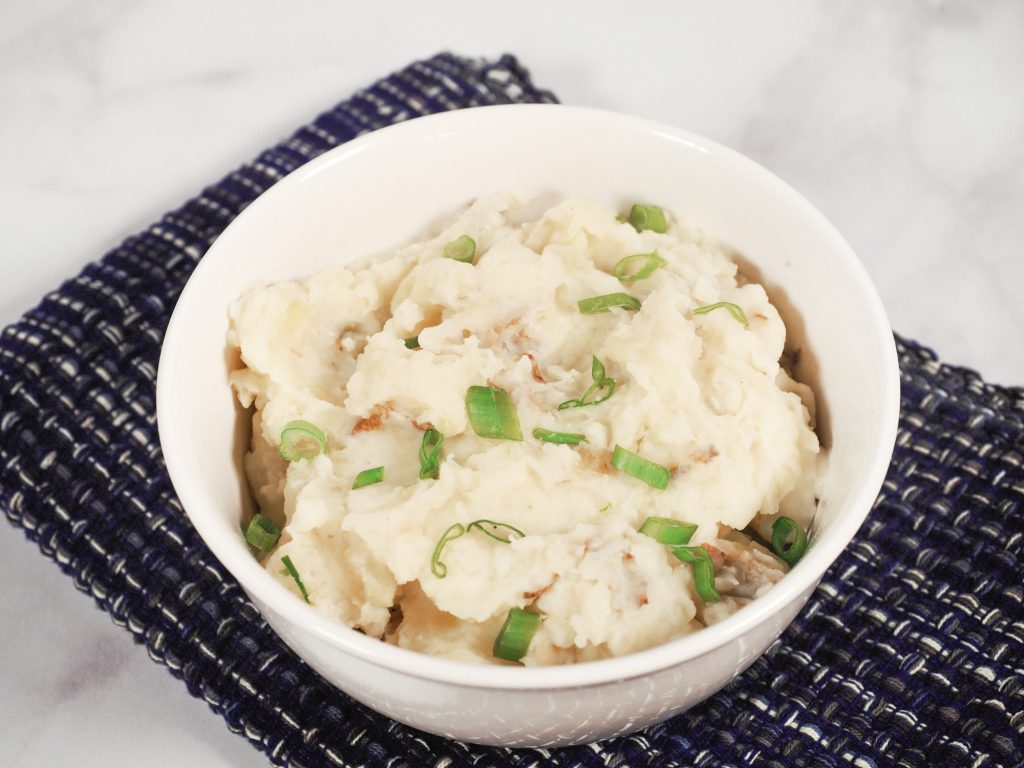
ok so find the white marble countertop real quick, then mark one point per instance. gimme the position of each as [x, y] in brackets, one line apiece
[900, 121]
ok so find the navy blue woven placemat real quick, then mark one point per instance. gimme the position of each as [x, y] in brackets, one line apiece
[910, 653]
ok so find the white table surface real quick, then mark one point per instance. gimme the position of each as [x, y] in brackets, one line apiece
[902, 122]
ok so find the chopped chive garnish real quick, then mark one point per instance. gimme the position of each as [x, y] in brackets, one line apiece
[430, 454]
[413, 342]
[439, 569]
[782, 530]
[482, 526]
[602, 385]
[638, 266]
[647, 217]
[368, 477]
[513, 640]
[560, 438]
[491, 528]
[734, 309]
[665, 530]
[461, 249]
[653, 474]
[262, 533]
[703, 571]
[287, 561]
[301, 440]
[598, 304]
[492, 413]
[621, 219]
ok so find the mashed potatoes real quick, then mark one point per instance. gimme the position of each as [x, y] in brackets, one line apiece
[374, 357]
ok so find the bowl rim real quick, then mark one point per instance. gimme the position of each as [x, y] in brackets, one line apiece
[266, 591]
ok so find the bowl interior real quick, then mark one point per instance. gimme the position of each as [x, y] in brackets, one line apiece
[393, 186]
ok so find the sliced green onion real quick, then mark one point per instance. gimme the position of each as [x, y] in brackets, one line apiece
[262, 533]
[621, 219]
[513, 640]
[665, 530]
[492, 413]
[455, 530]
[481, 526]
[413, 342]
[644, 264]
[301, 440]
[430, 454]
[782, 530]
[461, 249]
[368, 477]
[607, 386]
[582, 402]
[653, 474]
[439, 569]
[560, 438]
[703, 571]
[734, 309]
[647, 217]
[287, 561]
[598, 304]
[601, 383]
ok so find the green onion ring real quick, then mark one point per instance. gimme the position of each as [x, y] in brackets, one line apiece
[439, 569]
[430, 454]
[262, 533]
[290, 568]
[455, 530]
[655, 475]
[461, 249]
[301, 440]
[513, 640]
[703, 571]
[368, 477]
[600, 383]
[665, 530]
[647, 217]
[492, 413]
[598, 386]
[782, 530]
[558, 438]
[597, 304]
[734, 309]
[651, 263]
[479, 525]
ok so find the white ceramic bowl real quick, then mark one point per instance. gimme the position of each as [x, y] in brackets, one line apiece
[392, 186]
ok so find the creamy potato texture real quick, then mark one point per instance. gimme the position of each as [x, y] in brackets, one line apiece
[703, 395]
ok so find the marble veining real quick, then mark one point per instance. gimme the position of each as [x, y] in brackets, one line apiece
[900, 121]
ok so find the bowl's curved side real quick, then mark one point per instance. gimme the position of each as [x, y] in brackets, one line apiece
[535, 717]
[328, 213]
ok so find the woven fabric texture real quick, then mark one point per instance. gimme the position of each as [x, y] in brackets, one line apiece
[910, 653]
